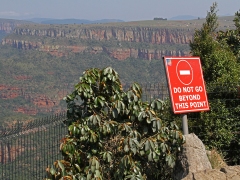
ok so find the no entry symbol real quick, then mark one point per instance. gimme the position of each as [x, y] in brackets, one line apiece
[184, 72]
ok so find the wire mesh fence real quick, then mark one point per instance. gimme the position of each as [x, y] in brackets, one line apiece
[26, 150]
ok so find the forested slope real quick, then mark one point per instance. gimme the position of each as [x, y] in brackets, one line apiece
[34, 82]
[40, 63]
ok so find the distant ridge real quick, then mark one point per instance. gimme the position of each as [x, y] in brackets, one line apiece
[72, 21]
[38, 20]
[184, 17]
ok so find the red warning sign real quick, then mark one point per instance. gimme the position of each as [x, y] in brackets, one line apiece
[186, 84]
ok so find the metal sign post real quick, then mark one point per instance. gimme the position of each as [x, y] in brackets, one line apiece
[185, 124]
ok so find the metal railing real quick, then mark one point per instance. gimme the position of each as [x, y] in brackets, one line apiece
[27, 150]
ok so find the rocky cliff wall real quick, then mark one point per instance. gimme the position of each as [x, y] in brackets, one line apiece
[8, 27]
[128, 34]
[120, 53]
[39, 102]
[60, 40]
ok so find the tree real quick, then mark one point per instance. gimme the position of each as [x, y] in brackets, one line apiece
[113, 134]
[232, 37]
[219, 63]
[219, 53]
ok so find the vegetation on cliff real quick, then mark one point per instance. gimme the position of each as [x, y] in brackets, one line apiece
[38, 81]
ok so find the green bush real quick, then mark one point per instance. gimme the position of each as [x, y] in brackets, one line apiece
[113, 134]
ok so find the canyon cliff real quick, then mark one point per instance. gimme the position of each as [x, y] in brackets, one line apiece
[150, 39]
[117, 41]
[40, 103]
[8, 25]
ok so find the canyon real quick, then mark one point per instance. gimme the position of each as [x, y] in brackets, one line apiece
[151, 39]
[118, 42]
[146, 40]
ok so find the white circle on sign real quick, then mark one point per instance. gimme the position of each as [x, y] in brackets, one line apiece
[184, 72]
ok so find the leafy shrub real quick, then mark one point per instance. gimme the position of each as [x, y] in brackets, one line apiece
[113, 134]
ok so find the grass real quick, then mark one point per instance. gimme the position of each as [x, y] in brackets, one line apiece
[216, 159]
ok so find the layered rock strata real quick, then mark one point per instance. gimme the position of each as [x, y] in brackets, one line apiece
[60, 41]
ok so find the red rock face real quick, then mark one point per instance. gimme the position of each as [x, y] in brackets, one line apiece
[120, 54]
[6, 87]
[76, 49]
[116, 53]
[9, 95]
[40, 102]
[25, 110]
[43, 101]
[9, 92]
[148, 35]
[22, 77]
[2, 86]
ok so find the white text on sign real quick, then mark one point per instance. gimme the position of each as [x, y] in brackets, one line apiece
[187, 89]
[199, 104]
[189, 97]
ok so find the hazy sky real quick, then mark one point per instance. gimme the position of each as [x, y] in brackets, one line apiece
[127, 10]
